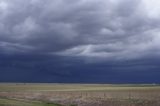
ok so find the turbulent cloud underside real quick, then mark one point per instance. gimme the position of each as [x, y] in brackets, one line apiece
[110, 29]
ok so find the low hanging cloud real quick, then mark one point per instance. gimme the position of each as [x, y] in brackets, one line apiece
[110, 29]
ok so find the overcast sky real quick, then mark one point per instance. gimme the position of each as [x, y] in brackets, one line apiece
[93, 40]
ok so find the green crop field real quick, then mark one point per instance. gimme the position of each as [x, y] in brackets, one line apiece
[41, 94]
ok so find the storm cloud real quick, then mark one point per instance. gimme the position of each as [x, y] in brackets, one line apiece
[93, 41]
[110, 29]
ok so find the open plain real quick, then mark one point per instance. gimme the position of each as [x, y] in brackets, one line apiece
[48, 94]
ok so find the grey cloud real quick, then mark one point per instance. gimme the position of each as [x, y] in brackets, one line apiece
[92, 28]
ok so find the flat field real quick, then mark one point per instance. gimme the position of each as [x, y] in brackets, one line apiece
[48, 94]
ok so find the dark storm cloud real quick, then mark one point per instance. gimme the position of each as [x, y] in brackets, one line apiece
[98, 41]
[40, 68]
[111, 29]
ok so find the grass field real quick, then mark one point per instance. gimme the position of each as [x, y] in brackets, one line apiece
[18, 102]
[12, 94]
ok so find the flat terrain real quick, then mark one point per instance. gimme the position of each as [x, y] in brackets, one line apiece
[39, 94]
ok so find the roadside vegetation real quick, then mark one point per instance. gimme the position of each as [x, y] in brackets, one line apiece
[16, 102]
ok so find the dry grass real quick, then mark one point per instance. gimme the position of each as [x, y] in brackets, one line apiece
[85, 94]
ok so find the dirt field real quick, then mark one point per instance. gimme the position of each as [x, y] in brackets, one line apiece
[79, 95]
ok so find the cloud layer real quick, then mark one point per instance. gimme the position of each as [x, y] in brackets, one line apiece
[110, 29]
